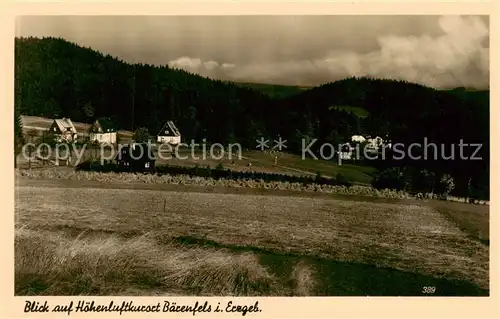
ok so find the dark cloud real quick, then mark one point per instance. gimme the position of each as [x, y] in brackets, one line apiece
[304, 50]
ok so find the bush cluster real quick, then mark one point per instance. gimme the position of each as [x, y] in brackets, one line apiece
[220, 173]
[130, 178]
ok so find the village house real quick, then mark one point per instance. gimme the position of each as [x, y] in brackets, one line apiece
[103, 130]
[358, 139]
[169, 134]
[346, 152]
[63, 130]
[372, 145]
[136, 157]
[375, 143]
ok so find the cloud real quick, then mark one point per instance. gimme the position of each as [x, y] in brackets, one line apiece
[203, 68]
[457, 57]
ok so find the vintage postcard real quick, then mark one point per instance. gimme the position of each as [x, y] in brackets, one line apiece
[206, 160]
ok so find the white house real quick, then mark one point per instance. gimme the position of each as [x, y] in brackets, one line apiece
[375, 143]
[346, 151]
[358, 139]
[372, 143]
[64, 130]
[103, 130]
[169, 134]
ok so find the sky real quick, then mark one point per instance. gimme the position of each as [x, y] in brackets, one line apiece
[437, 51]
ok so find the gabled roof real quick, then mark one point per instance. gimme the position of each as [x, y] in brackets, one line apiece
[169, 129]
[64, 124]
[107, 124]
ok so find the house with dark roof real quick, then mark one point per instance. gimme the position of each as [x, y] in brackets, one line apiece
[169, 133]
[63, 130]
[103, 130]
[136, 157]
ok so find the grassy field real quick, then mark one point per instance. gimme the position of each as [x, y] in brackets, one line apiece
[260, 162]
[36, 122]
[358, 111]
[289, 164]
[39, 124]
[355, 173]
[274, 90]
[103, 238]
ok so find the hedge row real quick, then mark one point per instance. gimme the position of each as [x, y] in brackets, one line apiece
[218, 173]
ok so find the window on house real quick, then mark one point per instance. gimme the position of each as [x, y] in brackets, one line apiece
[54, 129]
[146, 165]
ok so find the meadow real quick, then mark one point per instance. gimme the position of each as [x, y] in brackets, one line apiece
[92, 237]
[250, 160]
[37, 124]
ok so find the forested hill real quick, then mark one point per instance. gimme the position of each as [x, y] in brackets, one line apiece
[399, 109]
[54, 77]
[57, 78]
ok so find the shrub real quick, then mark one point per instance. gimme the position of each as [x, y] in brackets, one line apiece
[295, 183]
[141, 135]
[390, 178]
[446, 185]
[318, 175]
[341, 180]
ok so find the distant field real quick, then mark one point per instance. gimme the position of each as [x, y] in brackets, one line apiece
[355, 173]
[287, 164]
[30, 122]
[358, 111]
[95, 240]
[259, 161]
[230, 162]
[41, 123]
[274, 90]
[256, 161]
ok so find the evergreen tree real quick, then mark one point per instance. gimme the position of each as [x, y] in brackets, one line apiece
[18, 135]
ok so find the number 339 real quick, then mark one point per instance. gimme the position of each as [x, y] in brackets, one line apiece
[429, 290]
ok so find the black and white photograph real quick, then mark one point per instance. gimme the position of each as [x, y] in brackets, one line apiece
[252, 155]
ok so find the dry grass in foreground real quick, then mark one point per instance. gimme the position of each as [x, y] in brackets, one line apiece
[93, 263]
[53, 263]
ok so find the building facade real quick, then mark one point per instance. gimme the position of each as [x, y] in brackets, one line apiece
[169, 134]
[63, 130]
[103, 131]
